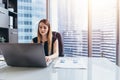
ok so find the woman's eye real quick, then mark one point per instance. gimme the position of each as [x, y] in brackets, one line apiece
[44, 27]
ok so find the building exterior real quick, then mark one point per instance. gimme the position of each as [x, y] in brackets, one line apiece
[29, 14]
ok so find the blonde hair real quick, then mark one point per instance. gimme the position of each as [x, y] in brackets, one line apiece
[49, 34]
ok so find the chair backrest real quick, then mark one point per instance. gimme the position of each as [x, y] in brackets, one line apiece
[60, 43]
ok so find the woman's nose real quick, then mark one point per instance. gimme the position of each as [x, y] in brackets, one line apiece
[42, 29]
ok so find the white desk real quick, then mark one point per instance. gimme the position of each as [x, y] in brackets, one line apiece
[98, 69]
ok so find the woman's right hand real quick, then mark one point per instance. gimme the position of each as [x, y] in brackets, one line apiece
[47, 58]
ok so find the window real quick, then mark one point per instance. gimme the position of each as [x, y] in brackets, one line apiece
[30, 12]
[71, 18]
[104, 25]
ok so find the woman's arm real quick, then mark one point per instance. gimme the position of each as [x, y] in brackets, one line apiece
[55, 51]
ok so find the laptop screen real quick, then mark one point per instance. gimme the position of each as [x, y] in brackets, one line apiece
[23, 54]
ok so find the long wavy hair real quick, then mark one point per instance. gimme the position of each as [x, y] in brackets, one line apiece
[49, 34]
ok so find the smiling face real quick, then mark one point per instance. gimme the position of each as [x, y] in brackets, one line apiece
[43, 29]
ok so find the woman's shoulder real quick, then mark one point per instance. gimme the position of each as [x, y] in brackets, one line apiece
[54, 34]
[35, 40]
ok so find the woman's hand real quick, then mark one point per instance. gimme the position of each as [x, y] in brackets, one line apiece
[48, 58]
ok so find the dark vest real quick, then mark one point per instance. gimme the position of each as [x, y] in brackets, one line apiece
[35, 40]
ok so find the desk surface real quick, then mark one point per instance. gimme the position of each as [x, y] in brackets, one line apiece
[97, 69]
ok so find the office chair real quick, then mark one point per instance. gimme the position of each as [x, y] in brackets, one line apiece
[58, 36]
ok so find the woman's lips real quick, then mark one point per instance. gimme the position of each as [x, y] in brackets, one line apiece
[42, 32]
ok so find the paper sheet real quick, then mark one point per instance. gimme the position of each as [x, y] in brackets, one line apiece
[70, 63]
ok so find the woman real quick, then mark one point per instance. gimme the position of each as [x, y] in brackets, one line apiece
[44, 36]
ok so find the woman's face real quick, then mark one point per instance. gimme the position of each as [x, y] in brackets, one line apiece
[43, 29]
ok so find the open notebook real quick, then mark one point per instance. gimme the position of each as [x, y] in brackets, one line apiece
[71, 62]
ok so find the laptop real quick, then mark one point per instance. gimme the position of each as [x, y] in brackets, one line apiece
[24, 54]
